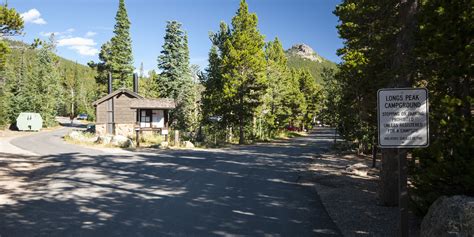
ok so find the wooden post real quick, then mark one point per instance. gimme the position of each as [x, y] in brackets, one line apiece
[176, 138]
[137, 130]
[402, 193]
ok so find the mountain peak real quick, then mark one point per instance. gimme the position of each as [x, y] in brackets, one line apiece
[304, 51]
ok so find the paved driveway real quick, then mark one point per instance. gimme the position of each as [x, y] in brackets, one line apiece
[241, 191]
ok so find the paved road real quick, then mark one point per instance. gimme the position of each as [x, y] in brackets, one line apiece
[242, 191]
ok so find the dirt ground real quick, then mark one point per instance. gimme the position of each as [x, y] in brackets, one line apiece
[350, 196]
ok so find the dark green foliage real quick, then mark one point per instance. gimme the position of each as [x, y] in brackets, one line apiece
[102, 68]
[120, 58]
[175, 80]
[11, 24]
[244, 69]
[369, 30]
[173, 62]
[445, 53]
[439, 57]
[36, 80]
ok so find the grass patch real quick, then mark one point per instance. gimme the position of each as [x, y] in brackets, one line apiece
[150, 140]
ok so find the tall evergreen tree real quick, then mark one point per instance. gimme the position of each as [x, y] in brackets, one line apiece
[46, 81]
[213, 103]
[103, 68]
[444, 54]
[313, 95]
[244, 68]
[175, 78]
[121, 58]
[11, 23]
[279, 85]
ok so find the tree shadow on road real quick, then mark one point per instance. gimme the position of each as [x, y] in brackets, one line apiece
[252, 190]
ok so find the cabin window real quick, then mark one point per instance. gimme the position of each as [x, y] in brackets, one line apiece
[145, 118]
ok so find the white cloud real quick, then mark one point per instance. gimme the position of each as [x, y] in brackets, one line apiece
[83, 46]
[33, 16]
[47, 34]
[90, 33]
[61, 35]
[85, 50]
[76, 41]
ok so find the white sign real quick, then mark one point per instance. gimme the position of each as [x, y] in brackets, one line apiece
[403, 117]
[164, 132]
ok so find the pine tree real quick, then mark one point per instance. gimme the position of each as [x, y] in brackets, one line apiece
[313, 95]
[171, 61]
[175, 78]
[244, 68]
[444, 53]
[121, 58]
[274, 111]
[11, 23]
[46, 82]
[213, 102]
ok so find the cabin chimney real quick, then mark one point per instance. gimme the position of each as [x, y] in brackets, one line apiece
[110, 83]
[135, 83]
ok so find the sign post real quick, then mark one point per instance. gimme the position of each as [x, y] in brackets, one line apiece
[402, 115]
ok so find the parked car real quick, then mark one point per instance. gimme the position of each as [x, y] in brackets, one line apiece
[82, 117]
[90, 128]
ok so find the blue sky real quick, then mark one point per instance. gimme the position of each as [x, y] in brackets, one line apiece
[82, 26]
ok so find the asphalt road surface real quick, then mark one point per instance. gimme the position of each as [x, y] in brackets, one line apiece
[255, 190]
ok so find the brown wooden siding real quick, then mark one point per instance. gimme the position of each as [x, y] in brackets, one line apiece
[101, 112]
[123, 114]
[122, 111]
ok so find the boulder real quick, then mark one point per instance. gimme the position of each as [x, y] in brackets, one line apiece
[104, 140]
[449, 216]
[121, 141]
[91, 139]
[188, 144]
[359, 169]
[76, 135]
[164, 145]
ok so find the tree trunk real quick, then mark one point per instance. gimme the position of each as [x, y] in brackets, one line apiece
[241, 121]
[402, 62]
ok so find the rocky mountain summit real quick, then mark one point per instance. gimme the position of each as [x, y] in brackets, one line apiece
[304, 51]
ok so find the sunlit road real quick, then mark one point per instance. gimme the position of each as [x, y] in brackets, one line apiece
[242, 191]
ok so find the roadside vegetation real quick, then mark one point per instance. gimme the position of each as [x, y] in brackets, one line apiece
[438, 56]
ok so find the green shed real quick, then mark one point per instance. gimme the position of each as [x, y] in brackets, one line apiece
[29, 122]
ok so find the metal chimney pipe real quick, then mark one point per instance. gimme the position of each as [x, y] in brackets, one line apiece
[110, 83]
[135, 83]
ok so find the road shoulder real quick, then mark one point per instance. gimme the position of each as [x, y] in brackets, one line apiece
[7, 147]
[350, 196]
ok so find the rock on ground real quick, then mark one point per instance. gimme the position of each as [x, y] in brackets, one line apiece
[449, 216]
[121, 141]
[76, 135]
[164, 145]
[188, 144]
[104, 140]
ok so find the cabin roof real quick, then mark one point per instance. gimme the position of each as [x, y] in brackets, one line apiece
[161, 103]
[121, 90]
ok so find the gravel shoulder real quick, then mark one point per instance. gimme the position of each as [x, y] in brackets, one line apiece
[350, 196]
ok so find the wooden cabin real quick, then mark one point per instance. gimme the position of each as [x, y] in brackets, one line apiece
[123, 112]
